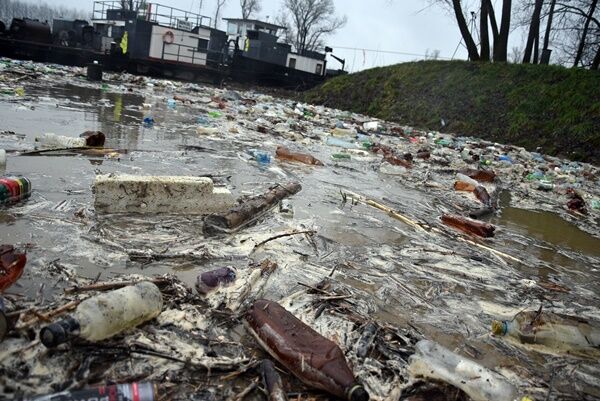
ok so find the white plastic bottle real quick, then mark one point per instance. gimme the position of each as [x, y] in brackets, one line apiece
[50, 140]
[433, 361]
[107, 314]
[550, 329]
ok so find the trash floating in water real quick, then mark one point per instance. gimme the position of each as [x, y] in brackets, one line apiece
[433, 361]
[211, 280]
[14, 189]
[12, 264]
[285, 154]
[249, 210]
[369, 219]
[160, 194]
[105, 315]
[559, 332]
[315, 360]
[125, 392]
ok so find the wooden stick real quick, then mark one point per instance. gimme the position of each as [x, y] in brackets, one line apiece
[49, 315]
[295, 232]
[418, 227]
[111, 286]
[245, 391]
[75, 150]
[391, 212]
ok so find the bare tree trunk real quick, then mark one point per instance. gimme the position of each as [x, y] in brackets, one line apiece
[536, 47]
[549, 24]
[534, 30]
[464, 31]
[584, 33]
[596, 62]
[501, 45]
[483, 31]
[492, 15]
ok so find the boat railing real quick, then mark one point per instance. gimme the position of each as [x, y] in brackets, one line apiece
[160, 14]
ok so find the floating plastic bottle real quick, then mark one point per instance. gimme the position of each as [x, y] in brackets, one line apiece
[343, 133]
[202, 120]
[480, 175]
[463, 186]
[286, 154]
[433, 361]
[545, 185]
[148, 122]
[107, 314]
[466, 179]
[263, 158]
[550, 329]
[116, 392]
[14, 189]
[312, 358]
[171, 103]
[50, 140]
[469, 226]
[341, 156]
[333, 141]
[213, 279]
[207, 130]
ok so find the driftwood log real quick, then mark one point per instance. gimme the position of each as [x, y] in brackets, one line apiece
[245, 212]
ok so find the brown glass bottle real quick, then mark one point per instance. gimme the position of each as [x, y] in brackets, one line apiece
[312, 358]
[469, 226]
[286, 154]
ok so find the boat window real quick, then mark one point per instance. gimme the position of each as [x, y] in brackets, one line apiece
[319, 69]
[292, 63]
[202, 45]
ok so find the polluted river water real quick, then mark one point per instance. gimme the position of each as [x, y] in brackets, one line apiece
[432, 280]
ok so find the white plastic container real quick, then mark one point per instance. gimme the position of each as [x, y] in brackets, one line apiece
[160, 194]
[107, 314]
[433, 361]
[51, 141]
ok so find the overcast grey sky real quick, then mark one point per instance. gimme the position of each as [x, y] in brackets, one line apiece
[378, 26]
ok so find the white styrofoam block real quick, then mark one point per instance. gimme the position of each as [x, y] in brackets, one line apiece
[160, 194]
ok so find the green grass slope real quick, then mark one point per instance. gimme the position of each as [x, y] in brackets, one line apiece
[552, 107]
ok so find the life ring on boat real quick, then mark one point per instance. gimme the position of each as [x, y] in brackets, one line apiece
[168, 37]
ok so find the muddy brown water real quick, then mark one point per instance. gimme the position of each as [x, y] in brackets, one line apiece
[447, 289]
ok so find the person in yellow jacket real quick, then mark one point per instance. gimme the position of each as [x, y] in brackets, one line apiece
[124, 43]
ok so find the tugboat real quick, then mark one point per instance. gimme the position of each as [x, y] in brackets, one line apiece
[153, 39]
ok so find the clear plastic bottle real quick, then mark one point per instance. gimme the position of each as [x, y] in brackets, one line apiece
[50, 140]
[466, 179]
[550, 329]
[107, 314]
[431, 360]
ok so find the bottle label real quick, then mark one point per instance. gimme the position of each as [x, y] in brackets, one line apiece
[119, 392]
